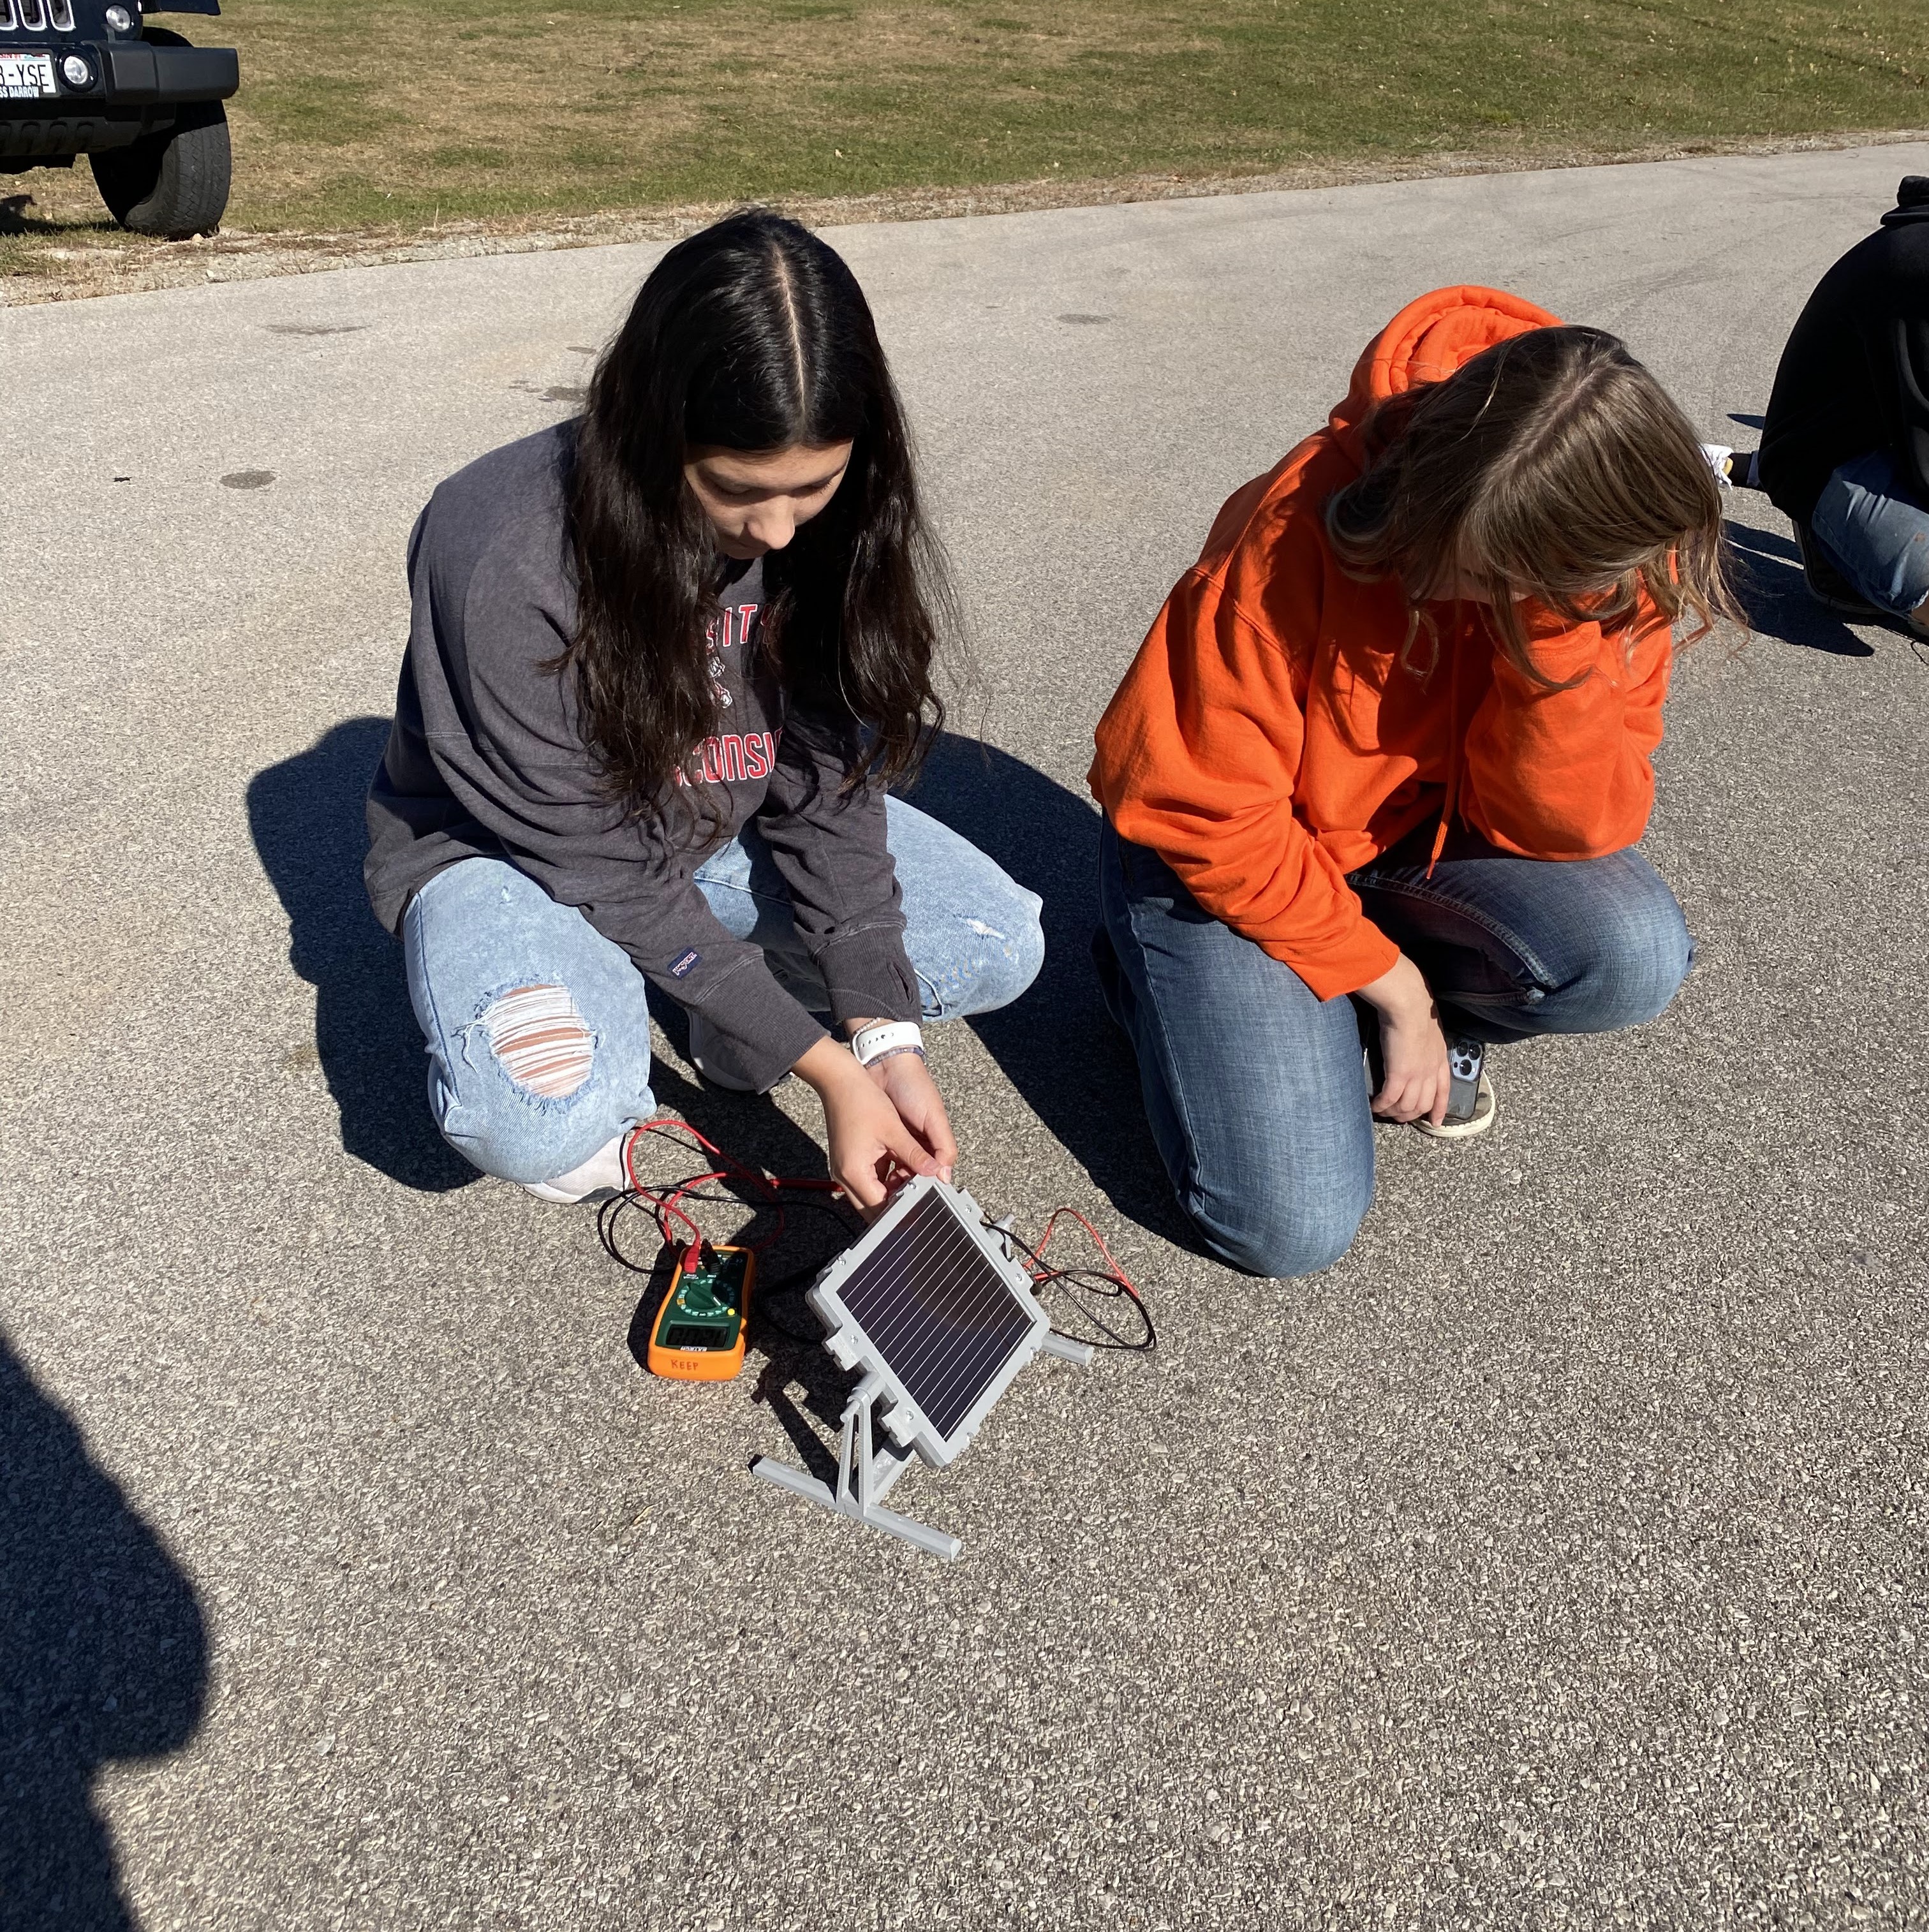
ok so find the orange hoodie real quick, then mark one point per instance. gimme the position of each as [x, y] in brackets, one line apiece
[1267, 741]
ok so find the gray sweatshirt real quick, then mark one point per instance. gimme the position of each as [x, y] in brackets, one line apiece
[486, 758]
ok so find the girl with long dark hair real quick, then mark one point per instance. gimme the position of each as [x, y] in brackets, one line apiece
[665, 660]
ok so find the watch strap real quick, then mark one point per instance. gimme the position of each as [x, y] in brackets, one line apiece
[874, 1043]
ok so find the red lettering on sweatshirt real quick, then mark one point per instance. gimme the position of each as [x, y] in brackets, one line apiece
[734, 756]
[731, 756]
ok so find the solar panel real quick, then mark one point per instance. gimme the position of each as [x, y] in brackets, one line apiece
[929, 1301]
[939, 1318]
[940, 1310]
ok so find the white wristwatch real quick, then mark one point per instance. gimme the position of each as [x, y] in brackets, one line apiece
[884, 1041]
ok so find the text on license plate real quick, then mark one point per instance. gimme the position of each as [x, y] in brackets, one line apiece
[26, 77]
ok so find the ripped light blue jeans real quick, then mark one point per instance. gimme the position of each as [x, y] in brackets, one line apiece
[482, 934]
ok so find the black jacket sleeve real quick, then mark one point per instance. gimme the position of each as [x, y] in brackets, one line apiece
[1899, 360]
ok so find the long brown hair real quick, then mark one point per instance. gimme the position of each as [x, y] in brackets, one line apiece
[751, 335]
[1552, 467]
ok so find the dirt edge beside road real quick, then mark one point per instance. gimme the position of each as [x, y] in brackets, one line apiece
[128, 267]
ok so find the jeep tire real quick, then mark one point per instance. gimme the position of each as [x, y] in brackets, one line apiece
[174, 183]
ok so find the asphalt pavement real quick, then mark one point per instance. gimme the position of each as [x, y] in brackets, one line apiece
[1557, 1559]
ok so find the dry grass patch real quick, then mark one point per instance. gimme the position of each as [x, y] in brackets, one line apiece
[396, 123]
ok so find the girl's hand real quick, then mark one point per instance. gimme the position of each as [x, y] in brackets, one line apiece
[870, 1141]
[1418, 1084]
[906, 1079]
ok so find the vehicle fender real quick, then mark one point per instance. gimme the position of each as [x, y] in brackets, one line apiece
[132, 74]
[138, 72]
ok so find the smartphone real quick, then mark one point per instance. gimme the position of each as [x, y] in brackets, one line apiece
[1465, 1059]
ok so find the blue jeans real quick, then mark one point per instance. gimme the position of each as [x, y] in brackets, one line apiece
[1875, 533]
[1256, 1089]
[481, 928]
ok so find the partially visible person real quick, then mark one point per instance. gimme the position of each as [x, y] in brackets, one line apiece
[664, 660]
[1845, 445]
[1376, 777]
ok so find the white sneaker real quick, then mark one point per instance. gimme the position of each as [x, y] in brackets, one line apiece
[704, 1058]
[601, 1177]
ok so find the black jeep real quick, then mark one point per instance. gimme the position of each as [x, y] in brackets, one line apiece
[91, 77]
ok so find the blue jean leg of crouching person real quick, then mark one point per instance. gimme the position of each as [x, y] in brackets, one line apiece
[538, 1028]
[1255, 1089]
[1875, 533]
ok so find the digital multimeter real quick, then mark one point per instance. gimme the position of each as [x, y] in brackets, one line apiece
[697, 1336]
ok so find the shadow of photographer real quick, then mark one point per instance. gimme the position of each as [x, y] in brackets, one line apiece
[103, 1658]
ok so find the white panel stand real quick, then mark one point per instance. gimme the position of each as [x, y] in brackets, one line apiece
[875, 1477]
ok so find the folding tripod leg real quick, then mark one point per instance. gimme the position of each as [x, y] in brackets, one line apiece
[857, 1483]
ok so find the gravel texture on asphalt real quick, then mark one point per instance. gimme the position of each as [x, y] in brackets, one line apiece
[1556, 1559]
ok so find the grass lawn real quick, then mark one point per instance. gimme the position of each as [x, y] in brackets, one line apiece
[407, 114]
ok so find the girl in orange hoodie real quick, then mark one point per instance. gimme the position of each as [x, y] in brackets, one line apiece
[1377, 773]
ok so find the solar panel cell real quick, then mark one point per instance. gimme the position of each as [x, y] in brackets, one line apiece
[938, 1312]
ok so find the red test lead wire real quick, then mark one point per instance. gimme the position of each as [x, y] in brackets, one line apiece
[666, 1203]
[1112, 1268]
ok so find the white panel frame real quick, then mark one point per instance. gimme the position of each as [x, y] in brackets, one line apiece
[851, 1348]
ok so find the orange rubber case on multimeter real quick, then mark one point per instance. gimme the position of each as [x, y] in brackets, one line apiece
[697, 1336]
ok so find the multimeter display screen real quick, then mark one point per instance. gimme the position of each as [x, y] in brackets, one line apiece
[689, 1335]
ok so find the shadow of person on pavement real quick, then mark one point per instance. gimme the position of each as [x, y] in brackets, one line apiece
[1057, 1044]
[103, 1658]
[1776, 596]
[306, 817]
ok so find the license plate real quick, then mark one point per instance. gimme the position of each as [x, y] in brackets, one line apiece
[26, 76]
